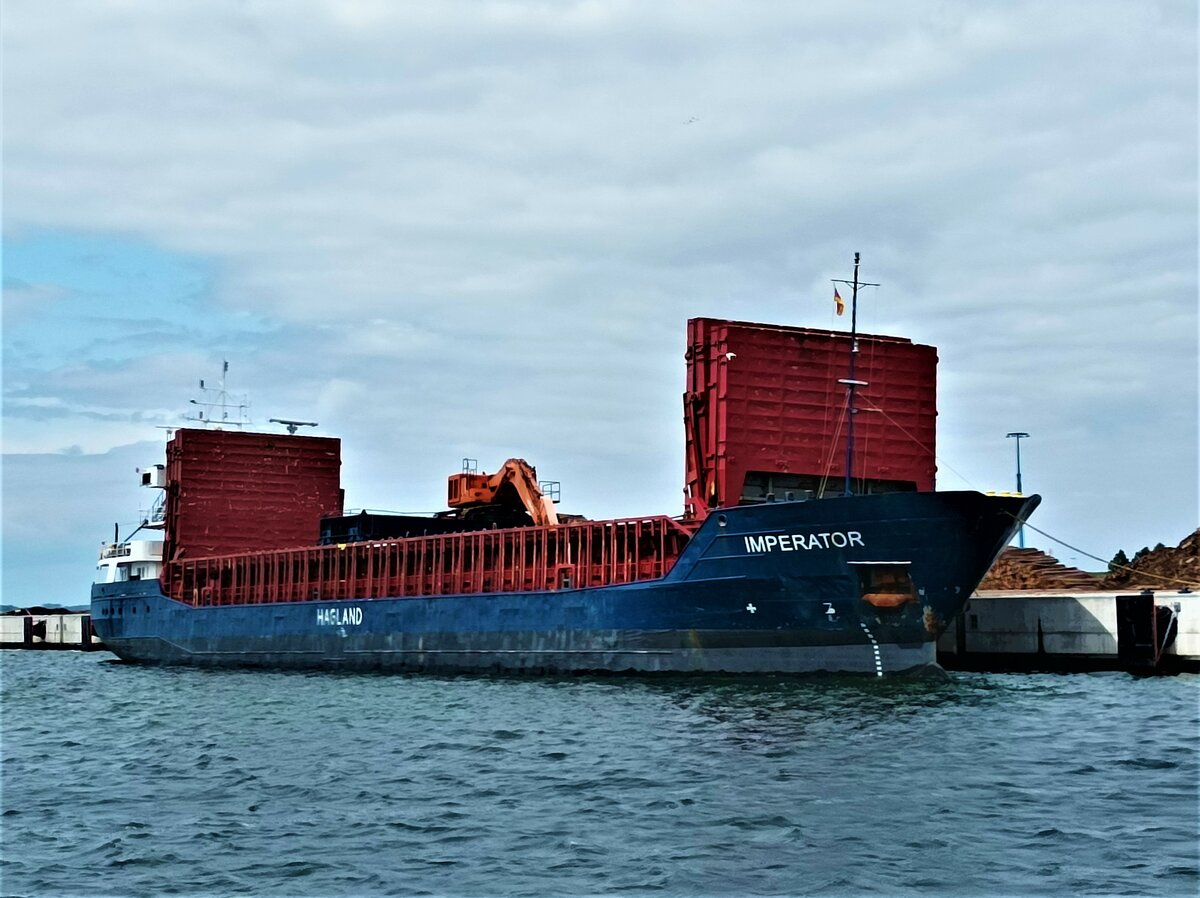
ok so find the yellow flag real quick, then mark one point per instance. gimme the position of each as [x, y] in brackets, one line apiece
[839, 302]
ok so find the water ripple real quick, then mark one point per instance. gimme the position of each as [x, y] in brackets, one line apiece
[191, 782]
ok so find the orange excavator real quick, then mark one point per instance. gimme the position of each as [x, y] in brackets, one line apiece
[509, 498]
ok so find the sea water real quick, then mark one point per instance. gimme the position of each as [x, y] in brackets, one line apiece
[126, 780]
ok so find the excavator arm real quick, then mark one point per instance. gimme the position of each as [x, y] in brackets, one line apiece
[515, 485]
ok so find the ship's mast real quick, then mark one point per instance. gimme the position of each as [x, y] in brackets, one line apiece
[223, 401]
[850, 382]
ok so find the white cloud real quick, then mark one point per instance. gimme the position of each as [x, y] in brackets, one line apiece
[478, 228]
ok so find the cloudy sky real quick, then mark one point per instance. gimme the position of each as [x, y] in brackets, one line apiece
[478, 229]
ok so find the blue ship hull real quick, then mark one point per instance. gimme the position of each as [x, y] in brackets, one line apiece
[773, 588]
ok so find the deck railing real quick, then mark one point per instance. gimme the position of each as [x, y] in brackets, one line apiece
[526, 559]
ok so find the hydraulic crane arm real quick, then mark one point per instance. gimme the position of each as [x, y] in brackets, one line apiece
[514, 485]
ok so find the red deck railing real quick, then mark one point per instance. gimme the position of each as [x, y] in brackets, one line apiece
[528, 559]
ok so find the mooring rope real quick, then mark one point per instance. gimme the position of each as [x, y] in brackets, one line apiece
[1111, 565]
[832, 449]
[937, 458]
[1166, 632]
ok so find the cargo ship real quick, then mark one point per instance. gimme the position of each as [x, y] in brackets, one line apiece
[797, 551]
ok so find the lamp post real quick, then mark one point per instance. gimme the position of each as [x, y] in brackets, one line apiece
[1018, 436]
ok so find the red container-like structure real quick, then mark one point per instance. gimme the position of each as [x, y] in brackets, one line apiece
[765, 415]
[229, 491]
[244, 512]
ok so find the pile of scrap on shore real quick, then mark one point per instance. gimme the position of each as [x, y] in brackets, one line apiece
[1162, 568]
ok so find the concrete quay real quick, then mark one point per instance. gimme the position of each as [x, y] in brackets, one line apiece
[1142, 632]
[48, 631]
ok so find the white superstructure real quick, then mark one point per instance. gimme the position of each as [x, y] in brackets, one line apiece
[137, 559]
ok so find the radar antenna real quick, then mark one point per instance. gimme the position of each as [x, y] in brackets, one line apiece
[292, 426]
